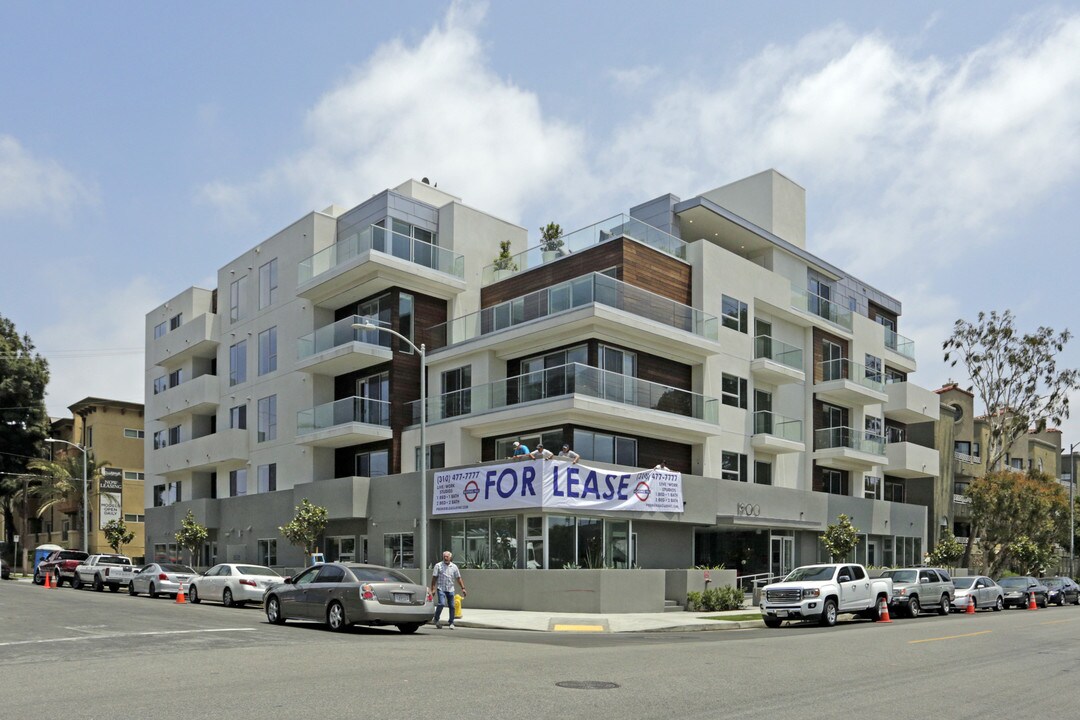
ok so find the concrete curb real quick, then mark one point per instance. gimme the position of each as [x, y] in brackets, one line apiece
[713, 626]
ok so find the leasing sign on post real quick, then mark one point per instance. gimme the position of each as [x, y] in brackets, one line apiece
[111, 491]
[555, 484]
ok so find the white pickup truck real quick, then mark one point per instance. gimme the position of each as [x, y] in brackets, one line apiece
[101, 571]
[821, 592]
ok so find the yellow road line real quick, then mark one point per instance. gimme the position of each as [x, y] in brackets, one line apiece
[1055, 622]
[950, 637]
[578, 628]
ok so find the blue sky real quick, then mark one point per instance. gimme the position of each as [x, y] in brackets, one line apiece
[142, 146]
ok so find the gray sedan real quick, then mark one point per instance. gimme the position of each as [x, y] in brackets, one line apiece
[982, 590]
[341, 595]
[161, 579]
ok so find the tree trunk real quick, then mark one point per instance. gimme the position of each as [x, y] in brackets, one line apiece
[970, 546]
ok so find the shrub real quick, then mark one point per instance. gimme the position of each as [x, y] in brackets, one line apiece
[723, 598]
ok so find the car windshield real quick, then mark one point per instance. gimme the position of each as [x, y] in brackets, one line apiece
[901, 575]
[368, 574]
[177, 569]
[963, 583]
[814, 572]
[1014, 582]
[1053, 583]
[255, 570]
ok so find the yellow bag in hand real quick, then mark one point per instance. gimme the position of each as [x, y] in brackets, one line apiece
[457, 607]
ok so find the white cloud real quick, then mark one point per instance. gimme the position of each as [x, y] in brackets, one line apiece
[633, 78]
[31, 185]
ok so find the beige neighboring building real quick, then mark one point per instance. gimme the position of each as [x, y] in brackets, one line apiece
[112, 430]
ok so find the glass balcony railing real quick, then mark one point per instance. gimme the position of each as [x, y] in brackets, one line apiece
[567, 296]
[564, 380]
[898, 343]
[781, 352]
[340, 412]
[595, 234]
[379, 239]
[843, 369]
[769, 423]
[824, 308]
[337, 334]
[846, 437]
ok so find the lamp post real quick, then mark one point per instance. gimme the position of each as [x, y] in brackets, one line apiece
[1072, 510]
[86, 495]
[367, 324]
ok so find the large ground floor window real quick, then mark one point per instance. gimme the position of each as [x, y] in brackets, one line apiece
[398, 550]
[483, 542]
[585, 542]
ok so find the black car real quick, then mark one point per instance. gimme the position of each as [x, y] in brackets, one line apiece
[1018, 591]
[1062, 590]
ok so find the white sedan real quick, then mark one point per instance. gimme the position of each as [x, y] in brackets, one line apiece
[233, 584]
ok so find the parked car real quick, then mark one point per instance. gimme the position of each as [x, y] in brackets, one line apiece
[61, 565]
[1018, 591]
[918, 588]
[1062, 590]
[341, 595]
[821, 592]
[978, 588]
[233, 584]
[160, 579]
[95, 571]
[5, 570]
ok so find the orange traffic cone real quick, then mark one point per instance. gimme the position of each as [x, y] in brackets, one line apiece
[48, 581]
[180, 599]
[1031, 602]
[883, 612]
[971, 606]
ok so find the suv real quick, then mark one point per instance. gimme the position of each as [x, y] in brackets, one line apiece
[61, 565]
[916, 588]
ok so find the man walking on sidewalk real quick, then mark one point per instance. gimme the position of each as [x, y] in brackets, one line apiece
[442, 582]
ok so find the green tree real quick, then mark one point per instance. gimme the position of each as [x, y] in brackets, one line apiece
[948, 550]
[59, 483]
[1010, 505]
[303, 530]
[840, 538]
[191, 536]
[23, 420]
[117, 534]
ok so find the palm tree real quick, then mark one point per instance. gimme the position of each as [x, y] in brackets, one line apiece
[59, 484]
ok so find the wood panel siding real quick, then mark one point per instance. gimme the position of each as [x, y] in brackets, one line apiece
[876, 311]
[820, 336]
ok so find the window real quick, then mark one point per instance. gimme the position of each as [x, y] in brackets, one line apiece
[166, 494]
[133, 433]
[1016, 463]
[341, 548]
[268, 551]
[268, 284]
[976, 450]
[174, 435]
[176, 321]
[237, 482]
[873, 368]
[238, 417]
[833, 481]
[733, 390]
[602, 447]
[176, 377]
[873, 427]
[131, 517]
[134, 475]
[375, 463]
[89, 434]
[871, 487]
[457, 395]
[268, 351]
[237, 291]
[267, 429]
[160, 440]
[238, 363]
[161, 384]
[398, 550]
[405, 320]
[436, 456]
[962, 447]
[160, 329]
[733, 466]
[832, 361]
[763, 473]
[552, 438]
[268, 478]
[733, 314]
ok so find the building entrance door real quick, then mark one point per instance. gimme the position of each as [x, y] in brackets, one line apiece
[782, 559]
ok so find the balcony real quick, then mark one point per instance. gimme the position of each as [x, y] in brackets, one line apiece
[197, 337]
[908, 460]
[198, 396]
[338, 349]
[846, 448]
[775, 434]
[908, 403]
[203, 453]
[818, 307]
[576, 393]
[847, 383]
[601, 232]
[350, 421]
[584, 307]
[777, 363]
[905, 347]
[376, 259]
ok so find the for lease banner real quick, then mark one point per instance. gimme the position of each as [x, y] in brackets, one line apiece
[555, 484]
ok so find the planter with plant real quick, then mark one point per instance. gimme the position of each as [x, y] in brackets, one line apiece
[551, 242]
[504, 264]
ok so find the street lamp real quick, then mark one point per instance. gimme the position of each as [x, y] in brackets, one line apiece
[367, 324]
[86, 496]
[1072, 510]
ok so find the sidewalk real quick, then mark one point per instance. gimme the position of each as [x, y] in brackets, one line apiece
[613, 623]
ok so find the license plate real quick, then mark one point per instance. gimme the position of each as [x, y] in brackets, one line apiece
[781, 613]
[402, 597]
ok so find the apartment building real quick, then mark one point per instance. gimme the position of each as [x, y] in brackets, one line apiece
[696, 334]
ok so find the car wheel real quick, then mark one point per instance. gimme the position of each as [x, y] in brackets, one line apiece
[98, 585]
[153, 591]
[226, 598]
[408, 628]
[999, 605]
[1061, 600]
[771, 622]
[913, 607]
[1044, 604]
[38, 580]
[57, 581]
[943, 608]
[273, 611]
[828, 613]
[76, 582]
[1077, 600]
[193, 595]
[113, 587]
[131, 589]
[335, 617]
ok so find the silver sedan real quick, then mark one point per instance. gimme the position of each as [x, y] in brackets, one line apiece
[233, 584]
[161, 579]
[341, 595]
[985, 592]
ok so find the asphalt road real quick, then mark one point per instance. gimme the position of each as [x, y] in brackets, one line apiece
[98, 655]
